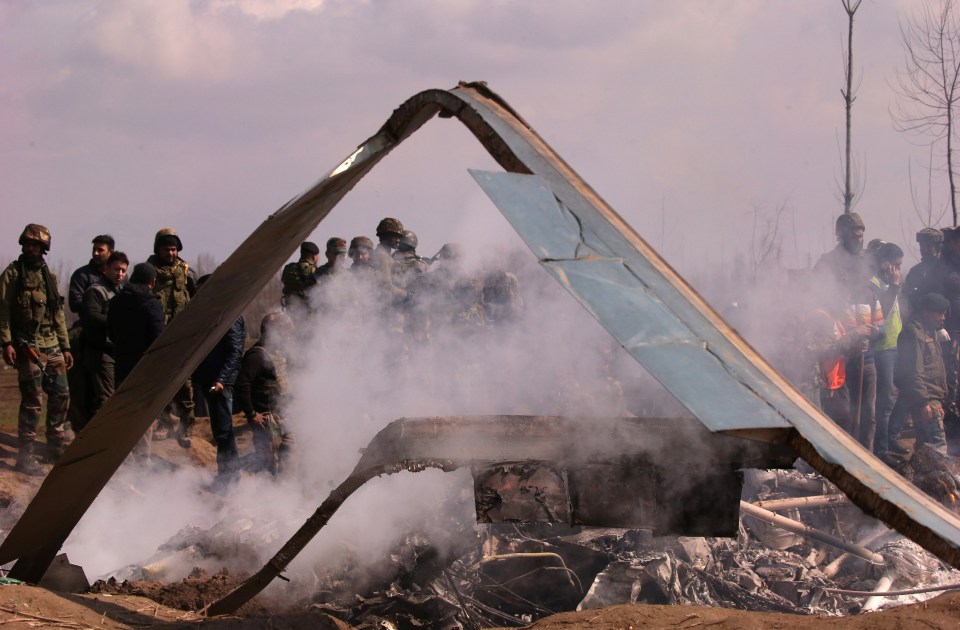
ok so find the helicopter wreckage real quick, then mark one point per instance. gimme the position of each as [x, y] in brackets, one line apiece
[526, 469]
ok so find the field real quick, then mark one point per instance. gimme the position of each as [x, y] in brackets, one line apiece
[9, 398]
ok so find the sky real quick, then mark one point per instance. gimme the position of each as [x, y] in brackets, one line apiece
[691, 118]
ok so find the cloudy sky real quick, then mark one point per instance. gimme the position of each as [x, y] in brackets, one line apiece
[688, 117]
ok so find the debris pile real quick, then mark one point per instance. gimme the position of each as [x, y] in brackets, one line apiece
[510, 574]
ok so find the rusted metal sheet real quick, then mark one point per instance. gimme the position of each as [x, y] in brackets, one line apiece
[756, 401]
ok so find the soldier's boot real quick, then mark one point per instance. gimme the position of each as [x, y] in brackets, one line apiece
[57, 443]
[186, 432]
[163, 428]
[26, 464]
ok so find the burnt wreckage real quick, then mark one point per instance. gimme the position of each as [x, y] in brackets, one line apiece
[751, 416]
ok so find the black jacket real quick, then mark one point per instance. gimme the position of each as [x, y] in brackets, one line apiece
[134, 320]
[223, 362]
[81, 280]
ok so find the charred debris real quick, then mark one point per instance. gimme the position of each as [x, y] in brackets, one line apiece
[573, 528]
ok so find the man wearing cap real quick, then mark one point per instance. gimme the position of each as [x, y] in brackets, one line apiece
[336, 254]
[927, 275]
[922, 381]
[176, 283]
[298, 277]
[33, 333]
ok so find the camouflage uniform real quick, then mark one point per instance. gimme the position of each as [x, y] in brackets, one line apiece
[176, 284]
[297, 278]
[32, 320]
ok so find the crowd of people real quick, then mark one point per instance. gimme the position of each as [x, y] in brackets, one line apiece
[875, 354]
[118, 318]
[119, 315]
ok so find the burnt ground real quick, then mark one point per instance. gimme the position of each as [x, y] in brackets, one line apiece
[142, 604]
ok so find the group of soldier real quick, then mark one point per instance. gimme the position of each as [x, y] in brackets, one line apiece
[119, 317]
[884, 365]
[415, 293]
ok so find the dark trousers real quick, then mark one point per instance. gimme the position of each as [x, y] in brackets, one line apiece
[835, 403]
[862, 386]
[886, 361]
[220, 406]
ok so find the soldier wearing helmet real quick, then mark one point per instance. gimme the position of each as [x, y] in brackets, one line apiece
[175, 285]
[33, 333]
[407, 265]
[360, 250]
[389, 232]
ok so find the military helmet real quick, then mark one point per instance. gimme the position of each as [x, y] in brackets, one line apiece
[336, 244]
[360, 242]
[929, 235]
[38, 233]
[849, 220]
[408, 240]
[389, 226]
[165, 238]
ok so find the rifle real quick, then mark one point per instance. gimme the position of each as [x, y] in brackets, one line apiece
[47, 379]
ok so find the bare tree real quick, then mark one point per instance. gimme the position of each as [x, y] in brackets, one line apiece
[928, 84]
[849, 194]
[765, 238]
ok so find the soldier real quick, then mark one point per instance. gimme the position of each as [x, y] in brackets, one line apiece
[97, 361]
[922, 380]
[176, 283]
[407, 265]
[925, 276]
[298, 277]
[261, 389]
[845, 264]
[336, 254]
[361, 248]
[33, 332]
[501, 298]
[389, 233]
[92, 272]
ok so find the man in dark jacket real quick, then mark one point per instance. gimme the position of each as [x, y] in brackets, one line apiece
[97, 364]
[922, 381]
[261, 386]
[215, 377]
[134, 319]
[92, 272]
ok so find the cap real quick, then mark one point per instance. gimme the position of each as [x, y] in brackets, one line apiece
[849, 220]
[360, 242]
[309, 249]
